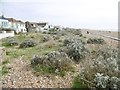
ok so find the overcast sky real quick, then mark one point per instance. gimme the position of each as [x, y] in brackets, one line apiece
[90, 14]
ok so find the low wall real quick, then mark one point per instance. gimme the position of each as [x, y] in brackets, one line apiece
[4, 34]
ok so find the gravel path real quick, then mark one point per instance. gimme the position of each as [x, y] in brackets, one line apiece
[21, 76]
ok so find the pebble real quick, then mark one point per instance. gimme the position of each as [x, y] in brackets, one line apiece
[20, 77]
[9, 66]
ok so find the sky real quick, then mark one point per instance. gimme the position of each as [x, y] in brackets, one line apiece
[84, 14]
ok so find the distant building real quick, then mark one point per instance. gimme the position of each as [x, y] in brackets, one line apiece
[17, 25]
[4, 23]
[37, 27]
[5, 28]
[57, 28]
[31, 26]
[43, 27]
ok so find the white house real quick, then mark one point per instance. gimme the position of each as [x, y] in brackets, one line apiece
[43, 26]
[37, 27]
[17, 25]
[57, 27]
[21, 27]
[5, 29]
[4, 24]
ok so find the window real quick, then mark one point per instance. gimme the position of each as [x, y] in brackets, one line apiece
[4, 24]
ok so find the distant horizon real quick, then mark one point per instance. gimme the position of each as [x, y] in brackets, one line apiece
[83, 14]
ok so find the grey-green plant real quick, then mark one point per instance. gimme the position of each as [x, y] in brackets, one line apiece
[27, 44]
[95, 41]
[55, 61]
[75, 48]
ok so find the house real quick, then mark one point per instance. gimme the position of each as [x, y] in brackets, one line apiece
[9, 26]
[4, 24]
[21, 27]
[5, 29]
[57, 28]
[30, 26]
[37, 27]
[43, 27]
[17, 25]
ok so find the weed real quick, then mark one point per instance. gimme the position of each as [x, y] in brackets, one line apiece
[5, 70]
[77, 83]
[5, 62]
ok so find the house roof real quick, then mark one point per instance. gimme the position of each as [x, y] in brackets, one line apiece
[41, 24]
[14, 20]
[20, 21]
[2, 17]
[11, 20]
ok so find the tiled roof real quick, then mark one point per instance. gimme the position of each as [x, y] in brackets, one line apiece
[14, 20]
[11, 20]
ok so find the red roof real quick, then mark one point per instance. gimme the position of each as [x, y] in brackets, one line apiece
[14, 20]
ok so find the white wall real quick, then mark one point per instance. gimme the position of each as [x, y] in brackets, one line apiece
[21, 27]
[45, 28]
[17, 27]
[7, 34]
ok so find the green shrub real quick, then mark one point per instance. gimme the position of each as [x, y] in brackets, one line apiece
[95, 41]
[77, 83]
[5, 62]
[5, 70]
[55, 62]
[10, 42]
[56, 37]
[104, 81]
[12, 53]
[52, 31]
[69, 41]
[28, 43]
[75, 49]
[44, 32]
[75, 31]
[104, 62]
[84, 36]
[45, 38]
